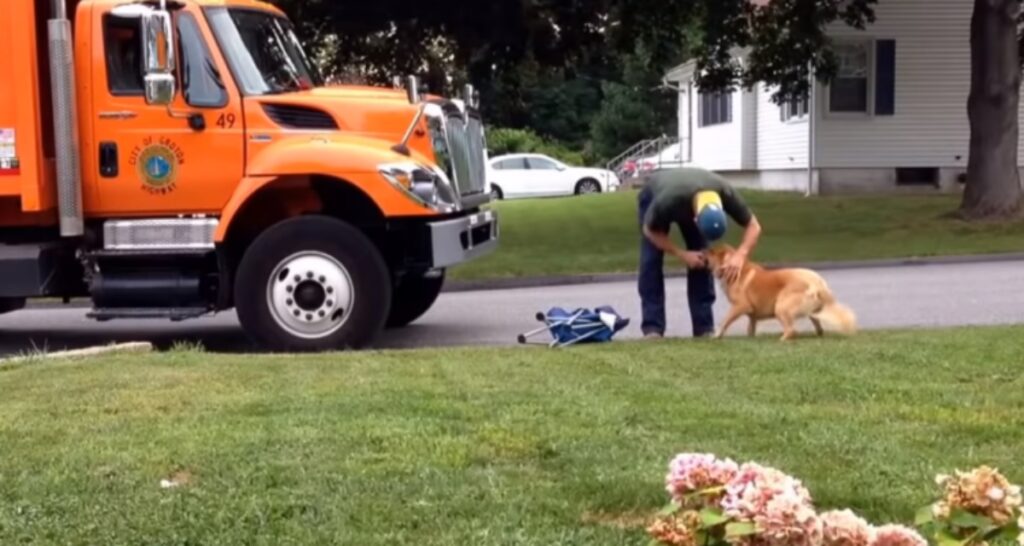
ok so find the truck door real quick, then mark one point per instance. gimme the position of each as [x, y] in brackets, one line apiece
[148, 160]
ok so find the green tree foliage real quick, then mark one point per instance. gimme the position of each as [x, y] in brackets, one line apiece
[546, 64]
[637, 107]
[539, 65]
[502, 141]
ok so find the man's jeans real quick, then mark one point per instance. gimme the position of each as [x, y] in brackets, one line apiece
[700, 286]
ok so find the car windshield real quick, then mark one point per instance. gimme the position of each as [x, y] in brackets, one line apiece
[264, 53]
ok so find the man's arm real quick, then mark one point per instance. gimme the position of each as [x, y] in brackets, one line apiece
[663, 242]
[739, 211]
[750, 237]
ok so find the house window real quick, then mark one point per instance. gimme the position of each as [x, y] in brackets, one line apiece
[794, 110]
[848, 92]
[715, 109]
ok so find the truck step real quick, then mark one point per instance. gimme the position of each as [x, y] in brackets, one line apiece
[37, 269]
[172, 313]
[132, 253]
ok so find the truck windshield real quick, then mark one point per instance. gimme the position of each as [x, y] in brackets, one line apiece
[264, 53]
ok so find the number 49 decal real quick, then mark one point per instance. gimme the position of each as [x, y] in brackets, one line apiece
[226, 121]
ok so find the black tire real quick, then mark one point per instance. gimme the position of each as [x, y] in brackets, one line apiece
[413, 297]
[496, 193]
[330, 241]
[588, 185]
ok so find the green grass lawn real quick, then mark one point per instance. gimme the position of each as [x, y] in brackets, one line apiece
[599, 234]
[486, 446]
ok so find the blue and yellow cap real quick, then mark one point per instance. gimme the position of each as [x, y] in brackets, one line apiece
[711, 220]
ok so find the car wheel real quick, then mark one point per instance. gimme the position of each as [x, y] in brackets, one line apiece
[496, 193]
[588, 185]
[413, 297]
[312, 284]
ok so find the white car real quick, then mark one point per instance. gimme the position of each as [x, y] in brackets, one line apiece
[533, 175]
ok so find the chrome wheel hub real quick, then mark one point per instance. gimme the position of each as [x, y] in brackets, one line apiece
[310, 295]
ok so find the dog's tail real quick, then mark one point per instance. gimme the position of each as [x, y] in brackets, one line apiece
[836, 314]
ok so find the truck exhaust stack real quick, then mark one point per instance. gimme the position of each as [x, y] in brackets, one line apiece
[62, 73]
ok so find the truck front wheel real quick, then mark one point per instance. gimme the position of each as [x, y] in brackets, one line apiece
[312, 284]
[414, 297]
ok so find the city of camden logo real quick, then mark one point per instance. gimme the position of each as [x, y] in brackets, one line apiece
[157, 162]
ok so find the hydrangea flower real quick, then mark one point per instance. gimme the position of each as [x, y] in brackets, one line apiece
[690, 473]
[983, 491]
[897, 535]
[754, 486]
[844, 528]
[788, 520]
[672, 531]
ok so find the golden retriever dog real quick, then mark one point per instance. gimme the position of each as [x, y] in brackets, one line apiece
[786, 295]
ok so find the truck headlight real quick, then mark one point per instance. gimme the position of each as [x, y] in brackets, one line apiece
[418, 182]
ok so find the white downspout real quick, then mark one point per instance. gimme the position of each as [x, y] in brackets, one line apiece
[689, 121]
[812, 114]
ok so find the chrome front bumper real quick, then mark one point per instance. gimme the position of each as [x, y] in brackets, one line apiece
[463, 239]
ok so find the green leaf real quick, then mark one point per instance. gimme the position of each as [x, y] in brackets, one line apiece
[968, 520]
[740, 529]
[924, 515]
[945, 539]
[669, 510]
[711, 518]
[1010, 531]
[654, 542]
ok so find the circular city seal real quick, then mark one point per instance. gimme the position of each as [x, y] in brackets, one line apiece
[158, 168]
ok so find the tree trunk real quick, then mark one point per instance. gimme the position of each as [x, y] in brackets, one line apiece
[993, 181]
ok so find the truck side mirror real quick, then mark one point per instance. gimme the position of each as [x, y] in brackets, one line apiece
[158, 54]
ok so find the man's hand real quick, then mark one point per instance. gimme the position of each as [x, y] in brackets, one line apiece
[733, 265]
[693, 260]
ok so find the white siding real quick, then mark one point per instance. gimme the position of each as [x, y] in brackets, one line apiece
[780, 144]
[930, 127]
[718, 147]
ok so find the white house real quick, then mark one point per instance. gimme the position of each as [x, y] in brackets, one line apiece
[895, 117]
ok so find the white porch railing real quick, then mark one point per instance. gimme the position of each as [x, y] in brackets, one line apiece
[650, 155]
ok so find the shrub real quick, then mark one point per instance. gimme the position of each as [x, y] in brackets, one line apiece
[502, 141]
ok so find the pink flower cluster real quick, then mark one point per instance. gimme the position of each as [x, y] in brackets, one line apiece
[844, 528]
[777, 508]
[778, 505]
[786, 520]
[692, 473]
[898, 535]
[754, 486]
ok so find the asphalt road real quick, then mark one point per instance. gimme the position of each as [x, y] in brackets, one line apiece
[890, 297]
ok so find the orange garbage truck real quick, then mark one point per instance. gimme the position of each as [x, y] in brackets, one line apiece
[175, 158]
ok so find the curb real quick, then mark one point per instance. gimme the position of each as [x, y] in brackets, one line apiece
[569, 280]
[141, 347]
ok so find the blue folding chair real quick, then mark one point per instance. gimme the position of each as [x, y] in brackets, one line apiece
[579, 326]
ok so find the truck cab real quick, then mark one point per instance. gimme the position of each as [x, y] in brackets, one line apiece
[171, 159]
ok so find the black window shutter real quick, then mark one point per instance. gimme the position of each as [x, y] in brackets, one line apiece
[885, 77]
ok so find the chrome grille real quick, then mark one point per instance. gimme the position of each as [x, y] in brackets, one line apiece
[466, 143]
[477, 147]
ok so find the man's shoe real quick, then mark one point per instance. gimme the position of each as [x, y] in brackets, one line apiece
[653, 336]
